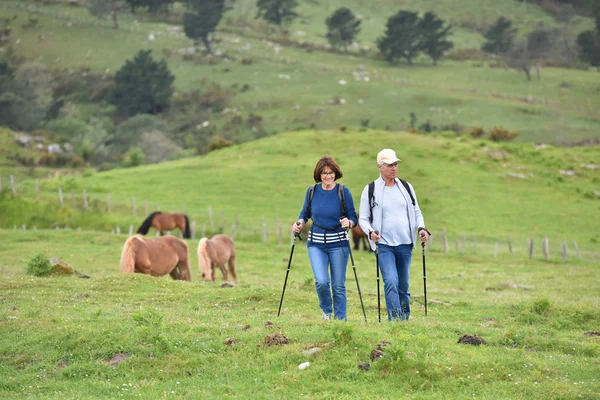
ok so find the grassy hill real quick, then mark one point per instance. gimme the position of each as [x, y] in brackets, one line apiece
[488, 191]
[293, 87]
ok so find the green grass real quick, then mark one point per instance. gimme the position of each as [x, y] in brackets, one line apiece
[559, 108]
[61, 331]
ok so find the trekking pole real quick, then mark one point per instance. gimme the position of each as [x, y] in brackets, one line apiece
[424, 274]
[356, 278]
[296, 235]
[377, 268]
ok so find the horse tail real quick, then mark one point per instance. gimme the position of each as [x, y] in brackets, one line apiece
[203, 259]
[128, 256]
[143, 229]
[187, 234]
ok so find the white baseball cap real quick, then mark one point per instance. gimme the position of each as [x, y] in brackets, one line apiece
[387, 156]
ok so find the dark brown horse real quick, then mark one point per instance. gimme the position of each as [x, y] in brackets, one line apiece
[166, 222]
[216, 252]
[156, 257]
[359, 236]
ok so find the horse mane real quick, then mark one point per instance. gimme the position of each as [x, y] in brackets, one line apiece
[128, 255]
[143, 229]
[203, 257]
[187, 234]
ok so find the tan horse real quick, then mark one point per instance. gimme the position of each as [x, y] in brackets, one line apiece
[216, 252]
[166, 222]
[157, 257]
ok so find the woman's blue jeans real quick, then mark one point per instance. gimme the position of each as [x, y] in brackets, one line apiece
[394, 263]
[335, 259]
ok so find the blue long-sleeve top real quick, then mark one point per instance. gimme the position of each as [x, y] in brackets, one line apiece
[326, 214]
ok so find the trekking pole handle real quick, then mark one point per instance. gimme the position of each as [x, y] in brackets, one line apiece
[298, 233]
[423, 243]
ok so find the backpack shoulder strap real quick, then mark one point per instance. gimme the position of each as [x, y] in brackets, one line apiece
[311, 193]
[405, 184]
[342, 197]
[371, 200]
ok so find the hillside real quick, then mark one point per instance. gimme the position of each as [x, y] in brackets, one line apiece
[483, 189]
[291, 87]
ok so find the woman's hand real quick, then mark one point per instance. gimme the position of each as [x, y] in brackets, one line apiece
[346, 223]
[297, 226]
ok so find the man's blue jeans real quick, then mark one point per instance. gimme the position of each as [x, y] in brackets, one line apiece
[394, 262]
[336, 259]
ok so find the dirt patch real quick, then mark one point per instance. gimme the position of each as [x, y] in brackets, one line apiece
[379, 350]
[245, 328]
[276, 339]
[364, 366]
[116, 359]
[229, 341]
[271, 325]
[592, 333]
[471, 339]
[226, 285]
[61, 364]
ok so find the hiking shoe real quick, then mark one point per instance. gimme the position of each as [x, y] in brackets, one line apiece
[326, 317]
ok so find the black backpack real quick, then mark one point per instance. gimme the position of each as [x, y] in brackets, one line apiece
[311, 193]
[372, 196]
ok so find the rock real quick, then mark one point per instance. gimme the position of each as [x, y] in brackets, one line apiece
[61, 267]
[364, 366]
[471, 339]
[304, 365]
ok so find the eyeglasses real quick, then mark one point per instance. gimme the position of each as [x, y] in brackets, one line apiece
[328, 173]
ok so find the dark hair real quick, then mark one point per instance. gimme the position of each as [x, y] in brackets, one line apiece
[327, 162]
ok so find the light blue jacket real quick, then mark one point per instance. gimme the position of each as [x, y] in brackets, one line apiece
[415, 217]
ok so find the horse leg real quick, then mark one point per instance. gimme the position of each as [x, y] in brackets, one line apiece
[175, 273]
[223, 271]
[356, 242]
[184, 269]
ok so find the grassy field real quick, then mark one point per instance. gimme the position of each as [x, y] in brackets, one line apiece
[292, 87]
[166, 338]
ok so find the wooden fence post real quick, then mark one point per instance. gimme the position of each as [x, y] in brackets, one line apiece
[233, 232]
[509, 245]
[279, 232]
[85, 200]
[130, 230]
[210, 218]
[203, 230]
[13, 185]
[546, 249]
[530, 247]
[157, 206]
[264, 226]
[577, 250]
[60, 196]
[445, 240]
[564, 252]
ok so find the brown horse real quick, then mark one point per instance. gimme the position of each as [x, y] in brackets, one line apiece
[156, 257]
[166, 222]
[359, 236]
[216, 252]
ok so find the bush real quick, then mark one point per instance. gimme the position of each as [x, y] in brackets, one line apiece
[500, 134]
[218, 142]
[476, 131]
[39, 265]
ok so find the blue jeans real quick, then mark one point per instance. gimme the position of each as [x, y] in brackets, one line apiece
[394, 263]
[336, 260]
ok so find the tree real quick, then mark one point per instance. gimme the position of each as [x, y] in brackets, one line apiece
[402, 38]
[100, 8]
[142, 85]
[202, 20]
[342, 27]
[434, 35]
[278, 12]
[500, 37]
[589, 45]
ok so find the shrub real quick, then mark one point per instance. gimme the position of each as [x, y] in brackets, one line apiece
[39, 265]
[218, 142]
[500, 133]
[476, 131]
